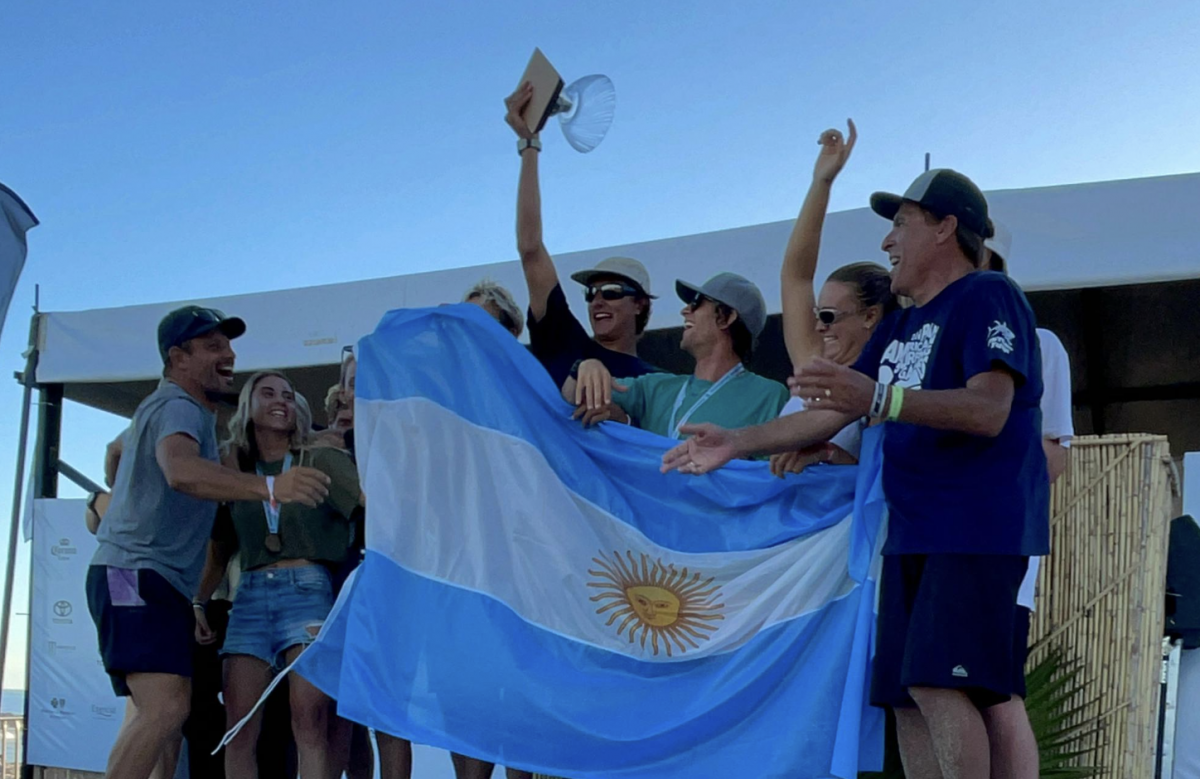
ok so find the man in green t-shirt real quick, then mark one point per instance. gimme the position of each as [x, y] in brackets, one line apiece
[721, 319]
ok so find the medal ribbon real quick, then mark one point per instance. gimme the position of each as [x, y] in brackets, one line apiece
[270, 509]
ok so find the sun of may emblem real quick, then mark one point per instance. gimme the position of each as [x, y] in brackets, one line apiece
[676, 606]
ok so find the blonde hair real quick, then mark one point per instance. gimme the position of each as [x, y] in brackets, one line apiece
[333, 404]
[240, 433]
[490, 292]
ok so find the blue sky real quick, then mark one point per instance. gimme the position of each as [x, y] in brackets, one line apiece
[182, 151]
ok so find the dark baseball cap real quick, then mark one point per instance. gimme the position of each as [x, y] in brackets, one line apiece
[945, 192]
[184, 324]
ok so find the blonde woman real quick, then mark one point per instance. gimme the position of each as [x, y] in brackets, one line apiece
[285, 592]
[499, 302]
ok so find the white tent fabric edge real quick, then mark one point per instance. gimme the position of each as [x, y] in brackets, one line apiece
[1081, 235]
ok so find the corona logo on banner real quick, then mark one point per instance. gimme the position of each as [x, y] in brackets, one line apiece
[657, 599]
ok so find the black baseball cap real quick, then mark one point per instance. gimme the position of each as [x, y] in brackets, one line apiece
[184, 324]
[945, 192]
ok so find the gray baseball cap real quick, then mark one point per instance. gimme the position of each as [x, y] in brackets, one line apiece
[735, 291]
[623, 267]
[944, 192]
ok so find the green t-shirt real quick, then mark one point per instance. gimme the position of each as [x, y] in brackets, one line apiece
[747, 399]
[320, 534]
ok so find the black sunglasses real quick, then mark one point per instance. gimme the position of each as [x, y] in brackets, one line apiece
[698, 301]
[611, 291]
[829, 316]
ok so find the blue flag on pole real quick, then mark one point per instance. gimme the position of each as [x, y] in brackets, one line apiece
[15, 220]
[540, 595]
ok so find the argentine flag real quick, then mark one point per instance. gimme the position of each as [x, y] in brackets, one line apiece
[540, 595]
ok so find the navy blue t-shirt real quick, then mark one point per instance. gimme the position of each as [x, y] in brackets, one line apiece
[951, 492]
[559, 341]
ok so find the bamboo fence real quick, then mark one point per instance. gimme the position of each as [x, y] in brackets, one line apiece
[1101, 593]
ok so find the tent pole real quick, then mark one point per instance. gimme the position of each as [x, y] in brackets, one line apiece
[78, 478]
[45, 480]
[27, 379]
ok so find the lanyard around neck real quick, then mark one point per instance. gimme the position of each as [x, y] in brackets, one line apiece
[733, 373]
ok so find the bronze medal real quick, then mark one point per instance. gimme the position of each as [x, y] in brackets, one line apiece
[274, 543]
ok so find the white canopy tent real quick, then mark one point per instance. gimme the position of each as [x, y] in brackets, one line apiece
[1065, 237]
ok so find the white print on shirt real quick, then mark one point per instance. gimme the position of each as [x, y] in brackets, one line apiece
[1000, 337]
[904, 364]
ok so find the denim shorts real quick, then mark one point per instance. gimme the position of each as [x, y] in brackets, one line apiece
[276, 609]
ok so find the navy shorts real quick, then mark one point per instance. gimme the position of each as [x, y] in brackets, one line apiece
[1020, 650]
[144, 624]
[948, 622]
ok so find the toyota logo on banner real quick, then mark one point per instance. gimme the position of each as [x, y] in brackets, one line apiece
[63, 608]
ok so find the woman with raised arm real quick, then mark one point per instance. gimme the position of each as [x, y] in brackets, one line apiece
[838, 324]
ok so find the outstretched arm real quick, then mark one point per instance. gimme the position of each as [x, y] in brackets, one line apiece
[710, 447]
[800, 257]
[540, 275]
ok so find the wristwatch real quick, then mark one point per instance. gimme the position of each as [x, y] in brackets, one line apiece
[528, 143]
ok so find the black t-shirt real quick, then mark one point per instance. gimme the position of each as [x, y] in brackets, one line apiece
[950, 492]
[559, 341]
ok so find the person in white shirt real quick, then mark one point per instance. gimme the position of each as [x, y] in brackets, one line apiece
[1013, 746]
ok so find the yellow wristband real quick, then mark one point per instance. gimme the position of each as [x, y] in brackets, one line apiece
[896, 404]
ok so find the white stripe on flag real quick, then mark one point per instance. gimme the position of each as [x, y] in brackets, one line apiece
[559, 561]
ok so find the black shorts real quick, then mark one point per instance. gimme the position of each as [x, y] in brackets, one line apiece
[947, 622]
[1020, 649]
[144, 624]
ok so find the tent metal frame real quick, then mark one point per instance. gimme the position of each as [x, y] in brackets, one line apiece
[46, 468]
